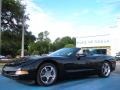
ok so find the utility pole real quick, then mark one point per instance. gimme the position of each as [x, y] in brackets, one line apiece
[0, 26]
[23, 32]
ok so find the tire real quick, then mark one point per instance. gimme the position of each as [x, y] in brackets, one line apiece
[105, 70]
[46, 74]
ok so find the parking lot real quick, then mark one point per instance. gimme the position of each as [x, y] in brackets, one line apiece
[91, 83]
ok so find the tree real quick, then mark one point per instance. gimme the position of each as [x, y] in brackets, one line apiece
[74, 41]
[35, 53]
[13, 15]
[46, 33]
[40, 36]
[62, 42]
[43, 36]
[25, 52]
[42, 45]
[69, 46]
[11, 41]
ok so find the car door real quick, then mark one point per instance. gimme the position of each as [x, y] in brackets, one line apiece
[90, 62]
[84, 63]
[74, 64]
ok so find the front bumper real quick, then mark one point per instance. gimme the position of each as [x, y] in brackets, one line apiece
[10, 72]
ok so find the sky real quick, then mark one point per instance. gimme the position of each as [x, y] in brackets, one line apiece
[73, 17]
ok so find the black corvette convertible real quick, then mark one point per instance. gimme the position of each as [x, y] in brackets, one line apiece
[46, 70]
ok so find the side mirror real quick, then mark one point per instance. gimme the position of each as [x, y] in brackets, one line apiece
[80, 55]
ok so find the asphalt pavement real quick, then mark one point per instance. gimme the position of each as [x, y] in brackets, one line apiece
[88, 83]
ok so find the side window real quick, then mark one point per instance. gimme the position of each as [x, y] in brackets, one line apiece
[79, 52]
[86, 51]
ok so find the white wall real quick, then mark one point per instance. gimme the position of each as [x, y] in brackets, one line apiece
[100, 38]
[115, 38]
[92, 41]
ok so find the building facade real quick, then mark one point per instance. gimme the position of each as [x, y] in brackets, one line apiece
[108, 44]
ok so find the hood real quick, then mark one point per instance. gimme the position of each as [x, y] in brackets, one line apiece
[23, 60]
[27, 59]
[31, 59]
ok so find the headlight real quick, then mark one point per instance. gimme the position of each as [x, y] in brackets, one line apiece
[21, 72]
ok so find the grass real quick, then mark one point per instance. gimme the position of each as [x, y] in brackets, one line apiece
[1, 65]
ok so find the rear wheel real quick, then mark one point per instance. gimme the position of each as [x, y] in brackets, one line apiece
[47, 74]
[105, 70]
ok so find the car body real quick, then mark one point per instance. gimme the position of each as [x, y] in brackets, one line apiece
[66, 60]
[2, 57]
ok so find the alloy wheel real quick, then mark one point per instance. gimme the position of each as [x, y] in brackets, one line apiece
[106, 69]
[48, 74]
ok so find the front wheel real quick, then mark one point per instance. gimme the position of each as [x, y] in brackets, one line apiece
[105, 70]
[47, 74]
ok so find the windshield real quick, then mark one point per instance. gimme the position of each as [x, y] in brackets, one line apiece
[64, 52]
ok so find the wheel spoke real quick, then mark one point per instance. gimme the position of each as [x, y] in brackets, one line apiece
[48, 74]
[43, 75]
[106, 69]
[46, 69]
[47, 79]
[52, 76]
